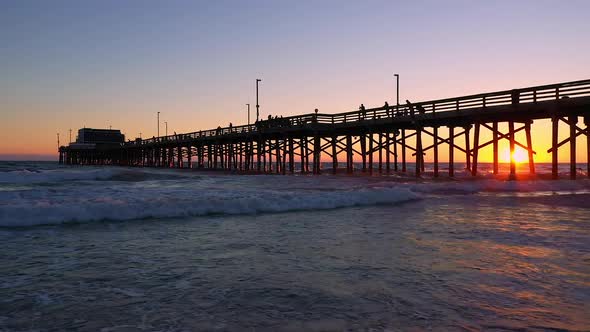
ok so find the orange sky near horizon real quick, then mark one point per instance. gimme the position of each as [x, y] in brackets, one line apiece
[71, 65]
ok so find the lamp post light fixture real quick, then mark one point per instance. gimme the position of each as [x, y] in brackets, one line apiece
[257, 106]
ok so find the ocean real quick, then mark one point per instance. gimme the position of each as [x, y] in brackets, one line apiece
[139, 249]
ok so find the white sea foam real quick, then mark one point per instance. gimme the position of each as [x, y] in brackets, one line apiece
[495, 186]
[43, 206]
[82, 194]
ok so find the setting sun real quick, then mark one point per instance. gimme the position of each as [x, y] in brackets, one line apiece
[519, 156]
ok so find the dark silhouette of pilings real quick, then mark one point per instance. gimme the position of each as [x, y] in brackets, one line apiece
[283, 145]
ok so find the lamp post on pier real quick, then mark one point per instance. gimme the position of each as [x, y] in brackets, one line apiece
[257, 106]
[166, 123]
[158, 124]
[70, 136]
[248, 114]
[397, 84]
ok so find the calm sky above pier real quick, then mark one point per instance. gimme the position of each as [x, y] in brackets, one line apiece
[69, 64]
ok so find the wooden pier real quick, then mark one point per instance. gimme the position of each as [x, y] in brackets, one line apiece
[383, 138]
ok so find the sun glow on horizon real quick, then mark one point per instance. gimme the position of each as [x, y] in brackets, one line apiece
[520, 155]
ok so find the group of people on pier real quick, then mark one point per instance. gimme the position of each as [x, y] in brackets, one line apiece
[276, 122]
[394, 111]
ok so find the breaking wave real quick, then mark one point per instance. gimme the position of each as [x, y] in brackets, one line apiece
[170, 203]
[78, 195]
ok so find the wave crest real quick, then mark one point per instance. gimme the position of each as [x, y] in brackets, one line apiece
[142, 204]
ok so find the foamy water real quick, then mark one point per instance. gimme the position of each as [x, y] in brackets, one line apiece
[65, 195]
[118, 249]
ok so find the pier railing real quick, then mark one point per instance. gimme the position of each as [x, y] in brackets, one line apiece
[535, 94]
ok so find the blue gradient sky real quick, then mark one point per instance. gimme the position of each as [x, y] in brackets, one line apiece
[68, 64]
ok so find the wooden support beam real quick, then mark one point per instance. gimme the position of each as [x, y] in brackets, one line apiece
[403, 150]
[467, 150]
[380, 152]
[261, 155]
[555, 148]
[529, 143]
[334, 156]
[302, 153]
[442, 141]
[419, 153]
[435, 144]
[291, 156]
[269, 156]
[573, 169]
[475, 149]
[308, 152]
[370, 153]
[363, 139]
[388, 152]
[189, 152]
[242, 155]
[587, 123]
[395, 151]
[495, 146]
[284, 157]
[505, 136]
[278, 155]
[179, 157]
[451, 152]
[512, 140]
[165, 158]
[349, 155]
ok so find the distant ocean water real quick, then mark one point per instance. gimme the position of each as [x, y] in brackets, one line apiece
[124, 249]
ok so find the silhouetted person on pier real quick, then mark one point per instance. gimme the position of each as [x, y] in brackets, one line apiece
[386, 108]
[363, 111]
